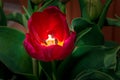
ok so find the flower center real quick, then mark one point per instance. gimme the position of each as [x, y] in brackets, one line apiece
[52, 41]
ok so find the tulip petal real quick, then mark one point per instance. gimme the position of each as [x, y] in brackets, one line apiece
[27, 44]
[67, 47]
[50, 21]
[31, 49]
[61, 52]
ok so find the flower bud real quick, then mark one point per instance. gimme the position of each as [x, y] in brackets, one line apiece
[91, 8]
[36, 1]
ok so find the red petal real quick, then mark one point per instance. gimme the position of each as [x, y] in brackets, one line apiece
[68, 46]
[27, 44]
[50, 53]
[50, 21]
[31, 48]
[57, 52]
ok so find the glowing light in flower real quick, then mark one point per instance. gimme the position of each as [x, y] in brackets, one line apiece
[51, 41]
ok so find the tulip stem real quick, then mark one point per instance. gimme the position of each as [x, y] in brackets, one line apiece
[35, 67]
[53, 70]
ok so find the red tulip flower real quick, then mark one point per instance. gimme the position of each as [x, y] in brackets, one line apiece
[49, 37]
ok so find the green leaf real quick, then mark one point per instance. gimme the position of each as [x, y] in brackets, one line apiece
[93, 37]
[46, 4]
[112, 22]
[49, 70]
[88, 57]
[1, 3]
[110, 60]
[65, 68]
[103, 13]
[81, 34]
[12, 52]
[80, 50]
[62, 6]
[93, 75]
[3, 20]
[18, 17]
[79, 24]
[52, 3]
[30, 7]
[117, 72]
[117, 17]
[98, 58]
[93, 59]
[111, 44]
[83, 49]
[28, 14]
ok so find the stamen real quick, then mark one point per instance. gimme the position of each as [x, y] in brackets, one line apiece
[50, 40]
